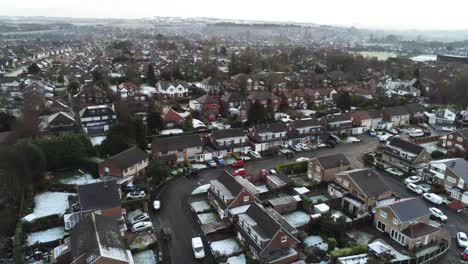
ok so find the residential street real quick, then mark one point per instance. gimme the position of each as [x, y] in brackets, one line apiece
[176, 214]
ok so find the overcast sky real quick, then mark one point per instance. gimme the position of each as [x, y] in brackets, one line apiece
[394, 14]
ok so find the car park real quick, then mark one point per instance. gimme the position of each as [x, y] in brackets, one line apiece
[412, 179]
[238, 163]
[414, 188]
[433, 198]
[219, 161]
[462, 239]
[156, 205]
[135, 195]
[211, 163]
[255, 154]
[142, 226]
[438, 214]
[197, 246]
[239, 172]
[139, 218]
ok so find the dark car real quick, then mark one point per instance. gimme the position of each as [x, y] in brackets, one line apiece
[165, 233]
[331, 143]
[270, 152]
[129, 188]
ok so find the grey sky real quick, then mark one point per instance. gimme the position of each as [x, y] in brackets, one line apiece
[395, 14]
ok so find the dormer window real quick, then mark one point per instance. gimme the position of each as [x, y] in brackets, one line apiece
[284, 239]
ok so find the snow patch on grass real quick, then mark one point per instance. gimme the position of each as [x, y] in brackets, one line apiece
[200, 206]
[226, 247]
[201, 189]
[237, 259]
[297, 218]
[48, 235]
[144, 257]
[50, 203]
[79, 179]
[315, 241]
[207, 218]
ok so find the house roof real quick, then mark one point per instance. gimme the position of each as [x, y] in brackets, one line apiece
[406, 146]
[207, 99]
[265, 226]
[273, 127]
[397, 110]
[228, 133]
[97, 236]
[368, 180]
[234, 97]
[262, 95]
[333, 161]
[409, 208]
[60, 118]
[164, 144]
[99, 195]
[169, 115]
[463, 132]
[368, 114]
[338, 118]
[415, 108]
[311, 122]
[419, 230]
[99, 110]
[128, 158]
[459, 166]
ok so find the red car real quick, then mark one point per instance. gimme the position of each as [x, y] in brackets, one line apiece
[239, 172]
[238, 163]
[464, 254]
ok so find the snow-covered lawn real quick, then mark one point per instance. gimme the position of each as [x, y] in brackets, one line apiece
[144, 257]
[50, 203]
[360, 236]
[337, 214]
[315, 241]
[201, 189]
[200, 206]
[48, 235]
[207, 218]
[226, 247]
[79, 179]
[142, 240]
[297, 218]
[237, 259]
[262, 188]
[199, 166]
[96, 141]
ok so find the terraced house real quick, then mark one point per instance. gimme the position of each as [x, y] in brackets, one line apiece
[306, 131]
[405, 155]
[268, 136]
[228, 141]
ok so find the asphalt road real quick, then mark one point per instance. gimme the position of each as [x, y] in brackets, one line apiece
[177, 216]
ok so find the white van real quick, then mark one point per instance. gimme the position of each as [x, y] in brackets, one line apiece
[433, 198]
[416, 133]
[197, 246]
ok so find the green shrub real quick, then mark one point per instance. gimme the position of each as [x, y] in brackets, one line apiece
[348, 251]
[43, 223]
[331, 241]
[236, 156]
[292, 167]
[302, 235]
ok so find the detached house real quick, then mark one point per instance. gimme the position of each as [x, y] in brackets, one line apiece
[265, 98]
[267, 136]
[59, 123]
[179, 148]
[458, 139]
[397, 115]
[270, 238]
[306, 131]
[407, 222]
[405, 155]
[294, 98]
[454, 174]
[416, 113]
[228, 192]
[228, 141]
[324, 168]
[244, 82]
[338, 124]
[368, 119]
[360, 190]
[208, 105]
[130, 162]
[97, 119]
[167, 90]
[442, 117]
[92, 95]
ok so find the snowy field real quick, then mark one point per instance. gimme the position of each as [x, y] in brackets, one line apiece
[200, 206]
[207, 218]
[226, 247]
[144, 257]
[48, 235]
[297, 218]
[50, 203]
[201, 189]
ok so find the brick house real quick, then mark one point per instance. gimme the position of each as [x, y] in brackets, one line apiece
[208, 105]
[324, 168]
[267, 136]
[405, 155]
[227, 192]
[397, 115]
[368, 119]
[244, 82]
[454, 174]
[407, 222]
[338, 124]
[306, 131]
[416, 113]
[294, 98]
[179, 148]
[171, 118]
[235, 100]
[59, 123]
[458, 139]
[130, 162]
[228, 141]
[91, 94]
[265, 98]
[360, 190]
[270, 238]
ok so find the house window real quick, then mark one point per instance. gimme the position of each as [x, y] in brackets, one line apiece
[246, 199]
[451, 179]
[345, 183]
[106, 169]
[395, 221]
[284, 239]
[383, 214]
[459, 139]
[450, 136]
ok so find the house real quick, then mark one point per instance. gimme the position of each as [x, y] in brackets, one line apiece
[265, 98]
[244, 82]
[416, 113]
[407, 222]
[454, 174]
[228, 141]
[397, 115]
[130, 162]
[283, 204]
[360, 190]
[235, 103]
[59, 123]
[267, 136]
[91, 94]
[306, 131]
[367, 118]
[269, 237]
[294, 98]
[458, 139]
[324, 168]
[128, 90]
[276, 181]
[441, 117]
[97, 119]
[227, 192]
[170, 117]
[405, 155]
[210, 84]
[321, 96]
[179, 148]
[208, 105]
[96, 239]
[340, 124]
[168, 90]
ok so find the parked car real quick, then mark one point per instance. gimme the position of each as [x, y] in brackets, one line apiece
[270, 152]
[353, 140]
[414, 188]
[245, 158]
[211, 163]
[129, 188]
[438, 214]
[462, 239]
[255, 154]
[197, 246]
[416, 134]
[372, 133]
[139, 218]
[142, 226]
[448, 129]
[302, 159]
[433, 198]
[238, 163]
[384, 138]
[392, 131]
[239, 172]
[412, 179]
[295, 148]
[423, 125]
[156, 205]
[135, 195]
[219, 161]
[302, 146]
[464, 254]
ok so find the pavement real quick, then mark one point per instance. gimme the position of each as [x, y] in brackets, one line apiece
[176, 215]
